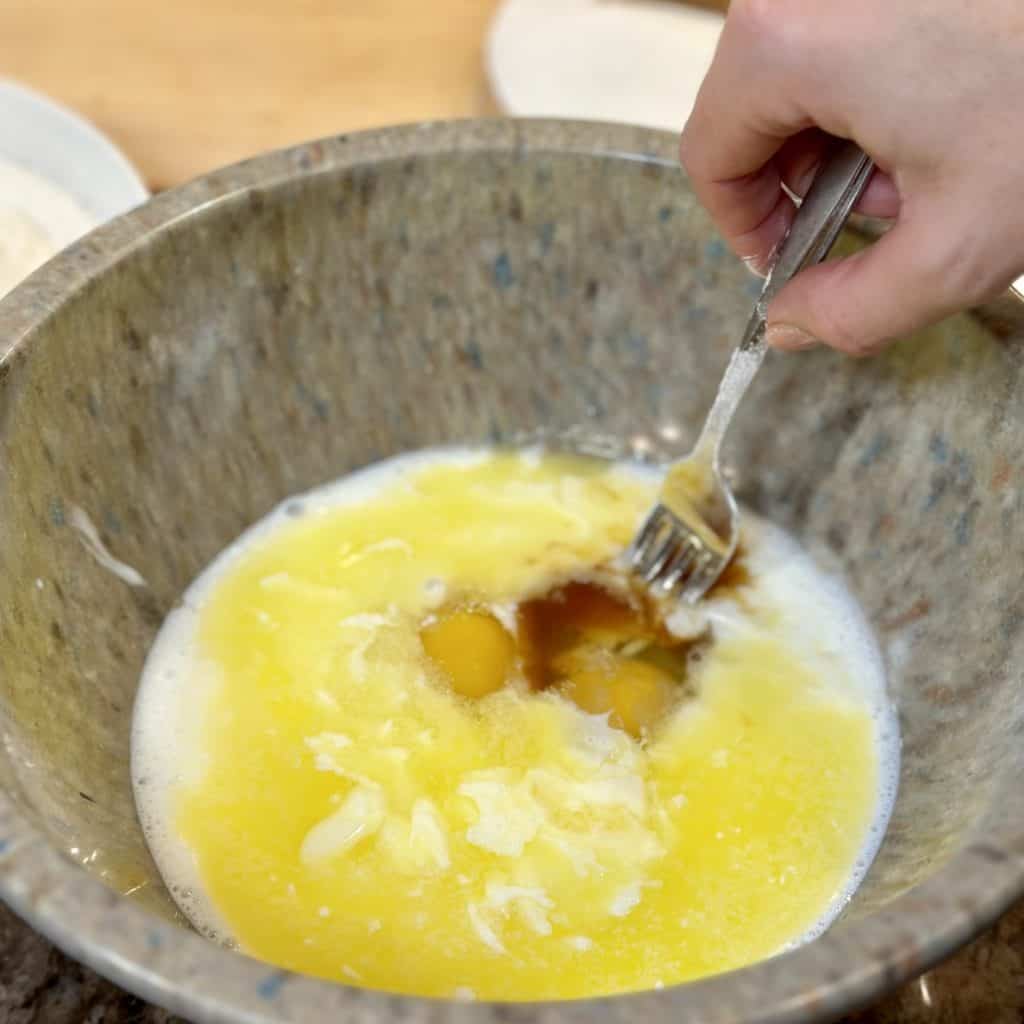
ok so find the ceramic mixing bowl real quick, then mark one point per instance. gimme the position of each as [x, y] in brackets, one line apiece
[277, 324]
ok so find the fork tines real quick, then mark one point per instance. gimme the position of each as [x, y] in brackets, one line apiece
[668, 555]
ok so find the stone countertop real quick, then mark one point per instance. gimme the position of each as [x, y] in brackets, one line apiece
[983, 984]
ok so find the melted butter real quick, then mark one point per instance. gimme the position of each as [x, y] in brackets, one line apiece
[351, 816]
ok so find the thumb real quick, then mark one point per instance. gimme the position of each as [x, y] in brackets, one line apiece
[919, 272]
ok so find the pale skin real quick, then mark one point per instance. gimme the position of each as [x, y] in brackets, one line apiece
[933, 91]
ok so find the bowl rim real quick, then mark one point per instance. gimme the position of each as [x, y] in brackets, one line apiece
[158, 961]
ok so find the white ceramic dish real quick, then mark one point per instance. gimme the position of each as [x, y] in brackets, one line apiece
[634, 61]
[51, 142]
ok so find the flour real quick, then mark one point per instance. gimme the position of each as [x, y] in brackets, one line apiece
[37, 219]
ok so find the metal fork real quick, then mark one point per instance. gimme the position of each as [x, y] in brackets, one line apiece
[690, 535]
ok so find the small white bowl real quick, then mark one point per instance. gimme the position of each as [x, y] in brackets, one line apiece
[63, 149]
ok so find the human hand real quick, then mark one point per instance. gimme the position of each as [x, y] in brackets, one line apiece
[933, 91]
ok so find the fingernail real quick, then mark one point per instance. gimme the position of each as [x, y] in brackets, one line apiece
[789, 338]
[756, 265]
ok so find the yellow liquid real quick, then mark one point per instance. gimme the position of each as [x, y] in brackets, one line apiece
[512, 847]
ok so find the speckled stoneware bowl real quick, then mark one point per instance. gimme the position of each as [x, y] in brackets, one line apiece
[277, 324]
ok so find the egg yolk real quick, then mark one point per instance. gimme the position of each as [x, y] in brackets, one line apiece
[634, 692]
[477, 656]
[473, 649]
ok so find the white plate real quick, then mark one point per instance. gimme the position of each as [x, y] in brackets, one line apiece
[636, 61]
[58, 146]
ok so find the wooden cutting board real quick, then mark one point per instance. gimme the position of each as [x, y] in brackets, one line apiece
[183, 87]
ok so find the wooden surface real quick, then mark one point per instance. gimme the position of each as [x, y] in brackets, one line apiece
[187, 86]
[183, 87]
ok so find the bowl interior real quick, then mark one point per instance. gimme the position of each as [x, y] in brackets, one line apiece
[289, 333]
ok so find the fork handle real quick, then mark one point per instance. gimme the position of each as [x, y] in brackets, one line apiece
[832, 195]
[834, 192]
